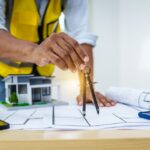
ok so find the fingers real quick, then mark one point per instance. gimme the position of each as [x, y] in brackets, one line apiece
[42, 62]
[63, 51]
[67, 55]
[71, 52]
[82, 54]
[75, 49]
[39, 58]
[64, 56]
[57, 61]
[103, 101]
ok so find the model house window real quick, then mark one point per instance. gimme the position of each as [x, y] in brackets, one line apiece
[22, 89]
[46, 91]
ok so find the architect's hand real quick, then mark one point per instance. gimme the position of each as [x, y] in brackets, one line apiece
[101, 99]
[61, 50]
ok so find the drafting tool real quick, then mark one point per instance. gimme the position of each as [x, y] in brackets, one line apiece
[87, 82]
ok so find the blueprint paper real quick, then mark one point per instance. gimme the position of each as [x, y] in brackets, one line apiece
[19, 117]
[67, 111]
[4, 114]
[134, 97]
[70, 117]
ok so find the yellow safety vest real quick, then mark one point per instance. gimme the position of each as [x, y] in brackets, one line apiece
[24, 24]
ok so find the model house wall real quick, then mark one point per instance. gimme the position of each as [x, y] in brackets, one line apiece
[28, 88]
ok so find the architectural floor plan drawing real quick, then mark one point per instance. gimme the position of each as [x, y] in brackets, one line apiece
[70, 118]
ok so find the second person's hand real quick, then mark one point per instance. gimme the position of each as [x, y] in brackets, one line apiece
[102, 100]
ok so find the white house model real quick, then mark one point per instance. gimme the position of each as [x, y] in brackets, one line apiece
[28, 88]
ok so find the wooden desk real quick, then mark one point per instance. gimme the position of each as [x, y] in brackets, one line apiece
[75, 140]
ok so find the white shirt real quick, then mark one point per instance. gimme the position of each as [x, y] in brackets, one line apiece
[76, 20]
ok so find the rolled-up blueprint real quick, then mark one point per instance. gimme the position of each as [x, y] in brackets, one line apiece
[135, 97]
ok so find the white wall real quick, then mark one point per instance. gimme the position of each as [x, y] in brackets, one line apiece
[123, 50]
[104, 23]
[135, 43]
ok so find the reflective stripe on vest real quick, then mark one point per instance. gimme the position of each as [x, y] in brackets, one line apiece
[24, 25]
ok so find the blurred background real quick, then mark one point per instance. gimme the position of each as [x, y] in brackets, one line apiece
[122, 54]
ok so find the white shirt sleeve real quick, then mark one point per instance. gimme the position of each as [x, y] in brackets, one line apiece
[2, 15]
[76, 21]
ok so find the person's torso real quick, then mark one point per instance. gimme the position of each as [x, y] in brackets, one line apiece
[33, 20]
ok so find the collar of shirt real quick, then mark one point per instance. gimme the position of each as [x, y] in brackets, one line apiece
[41, 5]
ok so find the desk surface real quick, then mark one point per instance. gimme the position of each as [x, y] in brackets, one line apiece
[75, 140]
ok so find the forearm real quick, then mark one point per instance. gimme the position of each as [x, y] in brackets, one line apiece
[55, 49]
[15, 49]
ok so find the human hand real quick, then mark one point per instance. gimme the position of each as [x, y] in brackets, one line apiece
[61, 50]
[101, 99]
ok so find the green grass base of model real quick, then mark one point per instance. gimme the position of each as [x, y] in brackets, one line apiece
[24, 104]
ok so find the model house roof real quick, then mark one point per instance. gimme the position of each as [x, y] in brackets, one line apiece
[27, 78]
[12, 76]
